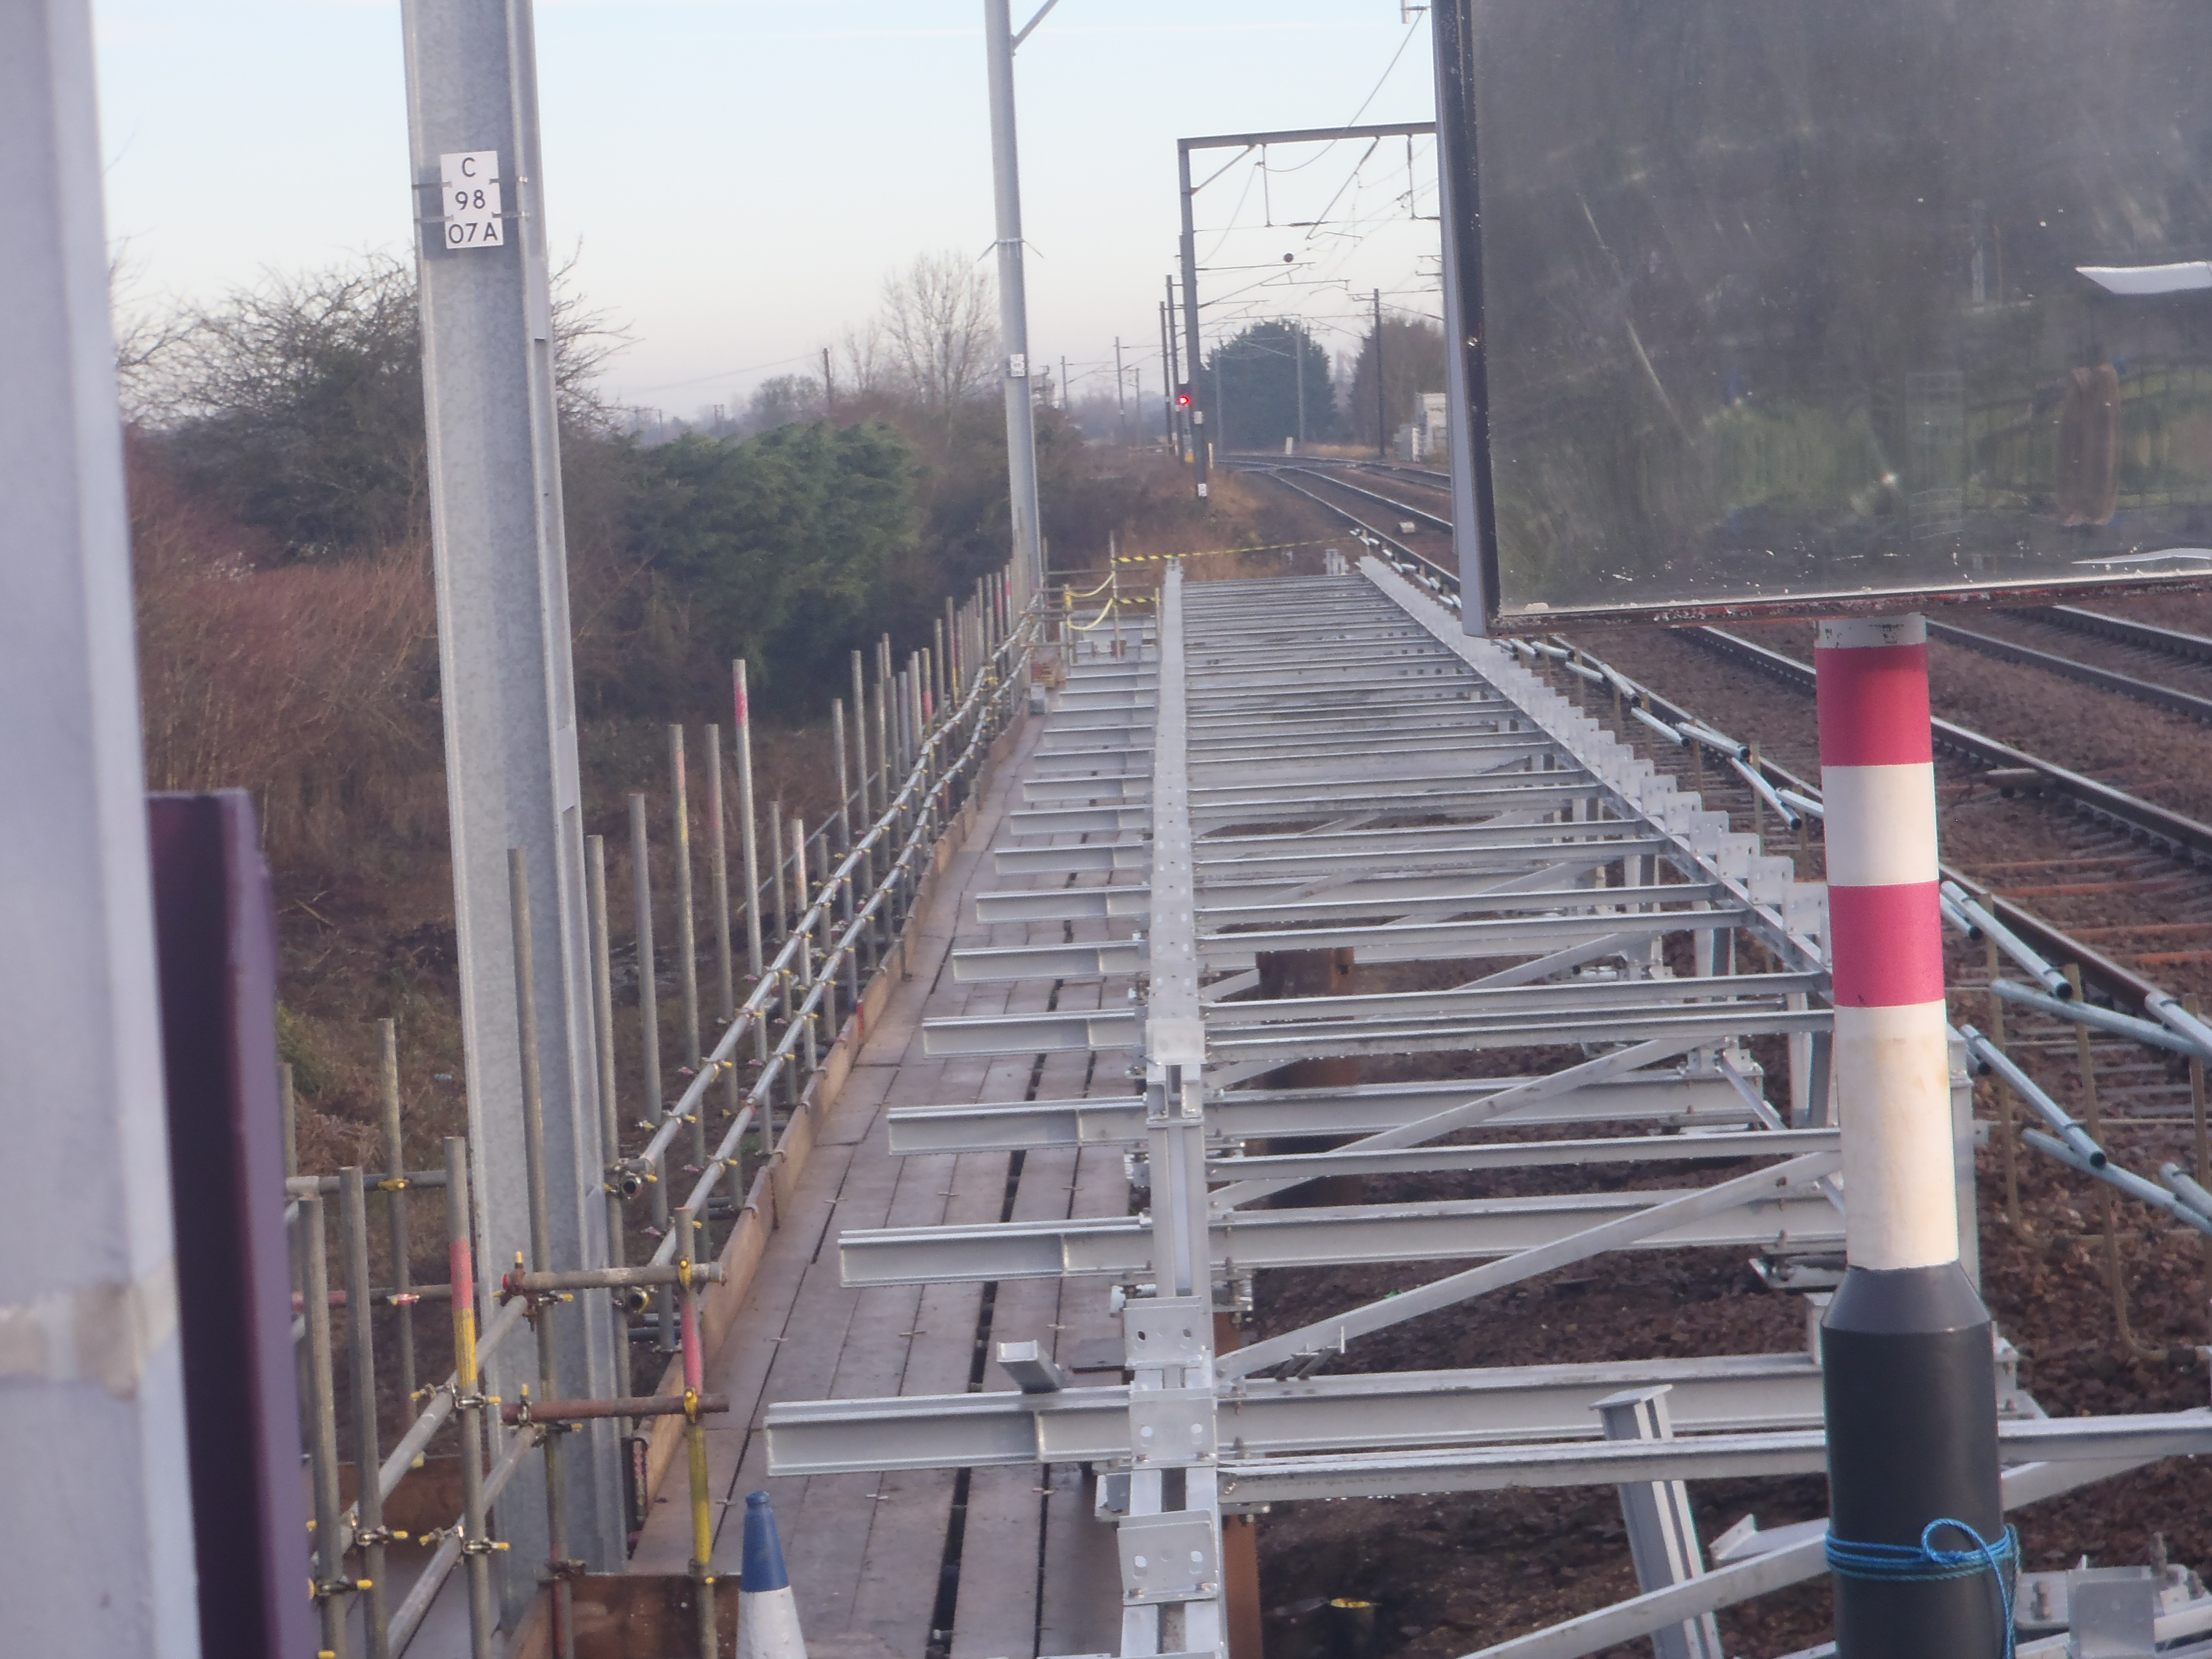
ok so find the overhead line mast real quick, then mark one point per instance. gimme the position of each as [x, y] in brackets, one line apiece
[1000, 42]
[1189, 241]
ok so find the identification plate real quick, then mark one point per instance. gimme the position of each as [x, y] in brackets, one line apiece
[469, 185]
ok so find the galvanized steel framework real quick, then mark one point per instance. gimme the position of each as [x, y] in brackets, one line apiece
[1330, 764]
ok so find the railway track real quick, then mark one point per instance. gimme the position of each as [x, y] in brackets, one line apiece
[2043, 639]
[2146, 868]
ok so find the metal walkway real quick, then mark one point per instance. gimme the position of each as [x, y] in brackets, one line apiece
[868, 1549]
[1325, 890]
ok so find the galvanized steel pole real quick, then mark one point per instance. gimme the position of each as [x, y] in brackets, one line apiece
[1189, 245]
[844, 775]
[332, 1588]
[603, 1019]
[540, 1256]
[80, 1021]
[506, 685]
[726, 976]
[1013, 300]
[469, 1401]
[395, 1167]
[748, 838]
[648, 997]
[687, 929]
[369, 1533]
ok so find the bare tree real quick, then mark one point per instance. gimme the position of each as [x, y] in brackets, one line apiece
[147, 336]
[938, 328]
[299, 401]
[868, 367]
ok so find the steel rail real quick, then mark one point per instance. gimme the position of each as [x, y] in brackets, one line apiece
[2105, 679]
[2169, 642]
[2185, 835]
[1435, 574]
[1422, 513]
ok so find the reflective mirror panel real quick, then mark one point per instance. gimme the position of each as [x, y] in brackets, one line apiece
[1794, 305]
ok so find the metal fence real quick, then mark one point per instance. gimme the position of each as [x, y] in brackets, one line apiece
[821, 915]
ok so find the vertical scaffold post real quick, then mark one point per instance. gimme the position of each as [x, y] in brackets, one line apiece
[749, 841]
[1909, 1374]
[333, 1587]
[860, 741]
[603, 1019]
[469, 1402]
[649, 1020]
[80, 1019]
[370, 1535]
[540, 1259]
[395, 1168]
[844, 775]
[686, 927]
[507, 684]
[695, 1435]
[725, 975]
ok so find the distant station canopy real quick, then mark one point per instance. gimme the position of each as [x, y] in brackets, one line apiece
[1792, 306]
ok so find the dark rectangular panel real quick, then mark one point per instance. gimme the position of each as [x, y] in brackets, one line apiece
[1793, 305]
[215, 933]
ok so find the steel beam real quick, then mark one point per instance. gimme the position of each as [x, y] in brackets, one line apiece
[1665, 1099]
[1739, 1581]
[1794, 1219]
[1015, 963]
[1701, 1457]
[1079, 821]
[1058, 1032]
[1527, 1155]
[1085, 860]
[1740, 1393]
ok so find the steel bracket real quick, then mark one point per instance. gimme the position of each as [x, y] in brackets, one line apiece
[1168, 1330]
[1169, 1427]
[1167, 1558]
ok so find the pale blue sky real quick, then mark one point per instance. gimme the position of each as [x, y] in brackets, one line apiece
[742, 172]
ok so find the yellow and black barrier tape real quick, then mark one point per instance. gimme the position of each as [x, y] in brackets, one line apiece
[1208, 552]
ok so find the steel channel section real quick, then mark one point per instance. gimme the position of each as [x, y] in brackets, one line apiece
[1060, 1032]
[1505, 1405]
[1364, 896]
[1802, 1218]
[1658, 1100]
[1457, 941]
[1171, 1554]
[510, 719]
[1697, 1457]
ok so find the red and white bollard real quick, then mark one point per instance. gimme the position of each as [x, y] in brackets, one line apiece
[1916, 1528]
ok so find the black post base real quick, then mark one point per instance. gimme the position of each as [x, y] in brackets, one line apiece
[1910, 1381]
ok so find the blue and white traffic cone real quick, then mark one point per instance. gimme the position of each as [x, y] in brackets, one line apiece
[768, 1613]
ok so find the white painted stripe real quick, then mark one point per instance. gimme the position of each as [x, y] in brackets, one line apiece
[1893, 1097]
[767, 1625]
[1880, 824]
[1848, 633]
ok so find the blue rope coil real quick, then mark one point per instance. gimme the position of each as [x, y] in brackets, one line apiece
[1926, 1563]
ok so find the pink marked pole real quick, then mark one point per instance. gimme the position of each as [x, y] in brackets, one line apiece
[1908, 1371]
